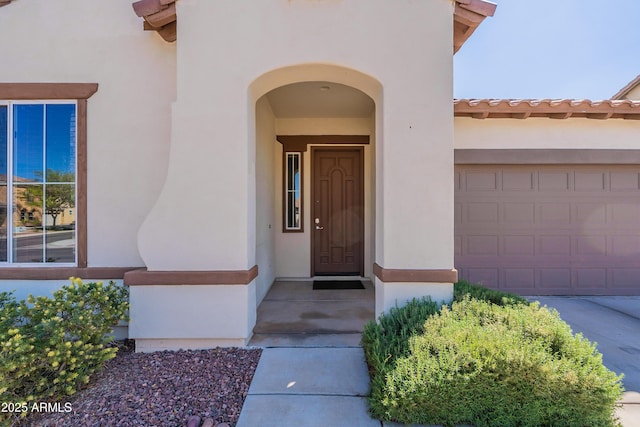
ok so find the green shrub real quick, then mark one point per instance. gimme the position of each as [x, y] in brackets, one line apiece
[487, 365]
[50, 346]
[385, 341]
[463, 288]
[388, 339]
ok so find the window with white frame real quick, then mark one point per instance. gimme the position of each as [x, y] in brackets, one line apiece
[38, 182]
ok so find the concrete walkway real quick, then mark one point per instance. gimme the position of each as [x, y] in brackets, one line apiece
[321, 379]
[309, 387]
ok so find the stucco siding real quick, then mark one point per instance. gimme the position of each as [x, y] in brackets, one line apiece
[544, 133]
[128, 135]
[357, 51]
[266, 223]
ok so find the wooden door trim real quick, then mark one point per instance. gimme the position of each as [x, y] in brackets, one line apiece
[314, 150]
[300, 142]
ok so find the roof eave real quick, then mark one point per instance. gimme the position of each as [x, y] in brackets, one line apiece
[468, 15]
[549, 108]
[622, 93]
[160, 16]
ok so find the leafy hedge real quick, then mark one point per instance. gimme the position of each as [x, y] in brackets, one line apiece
[463, 288]
[51, 346]
[486, 364]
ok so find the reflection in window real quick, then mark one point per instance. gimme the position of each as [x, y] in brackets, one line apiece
[4, 132]
[38, 181]
[293, 192]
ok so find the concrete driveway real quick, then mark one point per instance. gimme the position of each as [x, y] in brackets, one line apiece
[614, 324]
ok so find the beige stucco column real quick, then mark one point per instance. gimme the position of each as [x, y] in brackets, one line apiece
[415, 217]
[203, 225]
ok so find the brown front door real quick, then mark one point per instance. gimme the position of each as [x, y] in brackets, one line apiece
[337, 215]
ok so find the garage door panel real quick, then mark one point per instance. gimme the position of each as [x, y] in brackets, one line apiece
[520, 278]
[590, 278]
[554, 278]
[624, 181]
[520, 181]
[625, 277]
[555, 213]
[485, 276]
[482, 212]
[553, 181]
[590, 214]
[521, 213]
[519, 245]
[590, 245]
[589, 181]
[624, 245]
[550, 229]
[554, 245]
[482, 181]
[625, 213]
[482, 245]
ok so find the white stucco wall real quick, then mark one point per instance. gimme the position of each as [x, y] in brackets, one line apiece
[544, 133]
[266, 223]
[128, 125]
[368, 44]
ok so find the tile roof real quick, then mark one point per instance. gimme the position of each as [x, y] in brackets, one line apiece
[468, 15]
[4, 2]
[160, 16]
[551, 108]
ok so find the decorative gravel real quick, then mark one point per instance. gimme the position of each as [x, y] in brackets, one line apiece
[161, 389]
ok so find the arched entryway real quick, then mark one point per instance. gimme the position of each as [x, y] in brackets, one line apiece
[315, 132]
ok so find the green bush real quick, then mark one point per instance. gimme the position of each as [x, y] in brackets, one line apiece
[387, 340]
[51, 346]
[463, 288]
[497, 366]
[489, 365]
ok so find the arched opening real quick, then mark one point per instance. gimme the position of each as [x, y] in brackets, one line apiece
[315, 132]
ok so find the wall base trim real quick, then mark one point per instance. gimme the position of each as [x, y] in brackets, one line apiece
[63, 273]
[415, 276]
[214, 277]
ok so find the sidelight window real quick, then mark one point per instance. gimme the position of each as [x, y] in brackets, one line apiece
[293, 191]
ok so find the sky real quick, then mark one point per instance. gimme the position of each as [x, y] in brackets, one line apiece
[580, 49]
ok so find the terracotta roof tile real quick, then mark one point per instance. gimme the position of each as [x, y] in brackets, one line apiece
[551, 108]
[159, 15]
[468, 14]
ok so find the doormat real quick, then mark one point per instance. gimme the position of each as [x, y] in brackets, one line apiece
[337, 284]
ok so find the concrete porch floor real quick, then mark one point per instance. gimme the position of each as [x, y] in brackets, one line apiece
[292, 314]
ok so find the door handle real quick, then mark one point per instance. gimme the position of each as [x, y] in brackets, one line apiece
[319, 227]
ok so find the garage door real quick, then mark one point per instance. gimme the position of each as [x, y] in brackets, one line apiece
[549, 230]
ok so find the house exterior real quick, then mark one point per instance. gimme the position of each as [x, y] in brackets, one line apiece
[233, 143]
